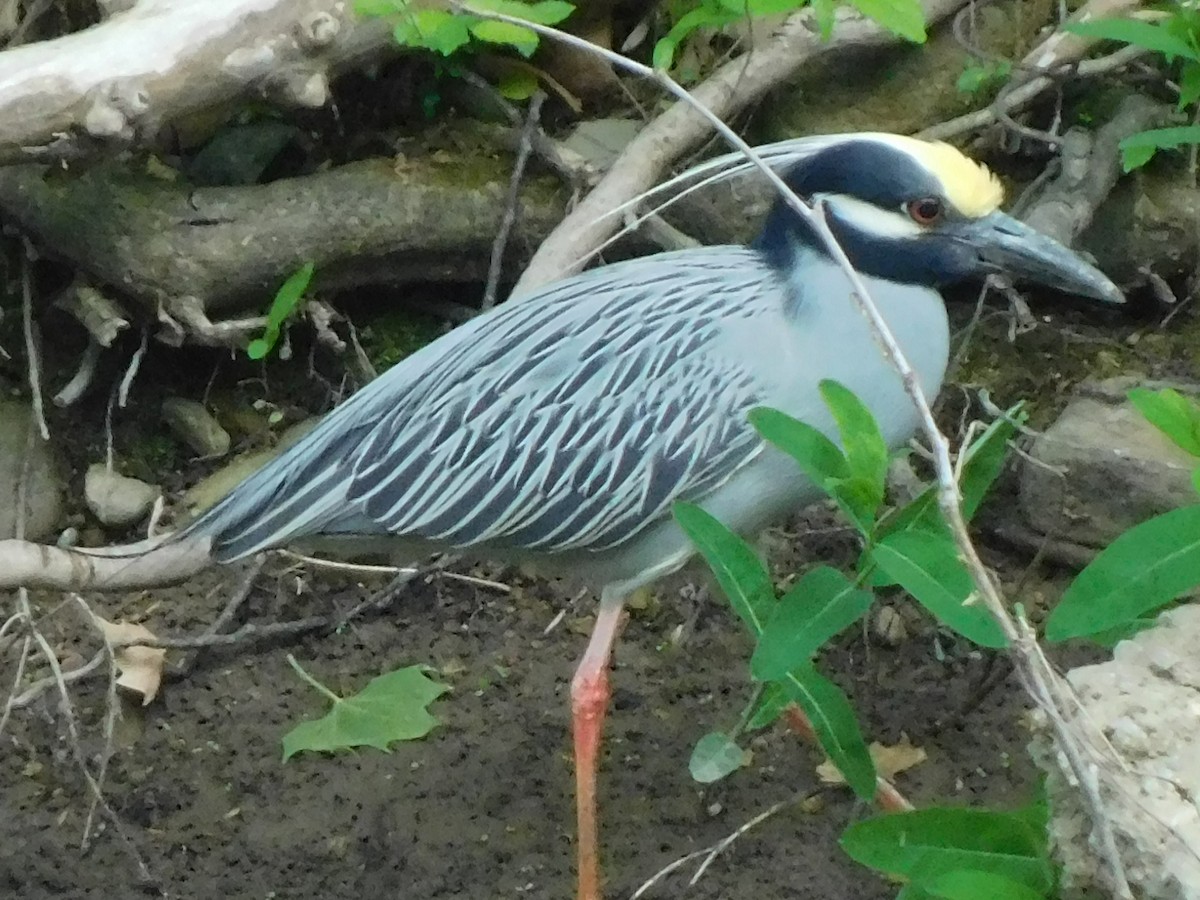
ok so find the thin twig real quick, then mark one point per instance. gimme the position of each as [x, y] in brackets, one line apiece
[512, 202]
[31, 350]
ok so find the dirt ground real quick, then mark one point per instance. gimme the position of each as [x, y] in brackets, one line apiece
[483, 807]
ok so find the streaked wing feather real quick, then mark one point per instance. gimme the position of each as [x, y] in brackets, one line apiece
[569, 420]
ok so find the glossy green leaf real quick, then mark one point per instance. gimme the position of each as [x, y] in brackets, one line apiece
[392, 707]
[926, 844]
[1146, 567]
[1138, 33]
[1138, 149]
[928, 567]
[833, 720]
[817, 607]
[913, 892]
[715, 756]
[904, 17]
[1176, 416]
[970, 884]
[770, 706]
[741, 574]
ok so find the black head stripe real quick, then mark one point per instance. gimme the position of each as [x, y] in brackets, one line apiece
[869, 170]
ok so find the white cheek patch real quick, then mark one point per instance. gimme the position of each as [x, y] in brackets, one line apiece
[870, 219]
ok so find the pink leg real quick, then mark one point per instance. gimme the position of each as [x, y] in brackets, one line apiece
[589, 703]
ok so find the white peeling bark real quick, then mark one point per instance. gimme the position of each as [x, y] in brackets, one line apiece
[119, 81]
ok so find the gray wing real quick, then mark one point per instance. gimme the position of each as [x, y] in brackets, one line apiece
[568, 420]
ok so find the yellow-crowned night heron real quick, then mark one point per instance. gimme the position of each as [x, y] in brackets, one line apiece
[560, 428]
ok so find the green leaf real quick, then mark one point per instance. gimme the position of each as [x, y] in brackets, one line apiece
[904, 17]
[770, 706]
[715, 756]
[983, 461]
[862, 442]
[926, 844]
[1196, 480]
[832, 719]
[823, 13]
[518, 84]
[928, 567]
[969, 884]
[1139, 34]
[547, 12]
[1148, 566]
[377, 8]
[1138, 149]
[817, 455]
[1176, 416]
[741, 574]
[287, 298]
[1189, 85]
[700, 17]
[817, 607]
[441, 31]
[506, 34]
[390, 708]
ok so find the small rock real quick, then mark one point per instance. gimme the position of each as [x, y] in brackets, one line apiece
[196, 427]
[43, 486]
[116, 500]
[889, 626]
[1101, 468]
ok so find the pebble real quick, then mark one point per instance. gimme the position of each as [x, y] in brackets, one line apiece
[193, 424]
[117, 500]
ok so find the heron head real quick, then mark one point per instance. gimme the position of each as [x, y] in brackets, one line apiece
[920, 212]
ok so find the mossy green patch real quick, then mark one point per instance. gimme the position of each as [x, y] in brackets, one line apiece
[396, 334]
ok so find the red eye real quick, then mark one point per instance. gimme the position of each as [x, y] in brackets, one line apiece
[925, 211]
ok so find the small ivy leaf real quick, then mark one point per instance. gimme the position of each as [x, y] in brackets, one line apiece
[928, 567]
[1147, 567]
[392, 707]
[740, 573]
[715, 756]
[832, 718]
[817, 607]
